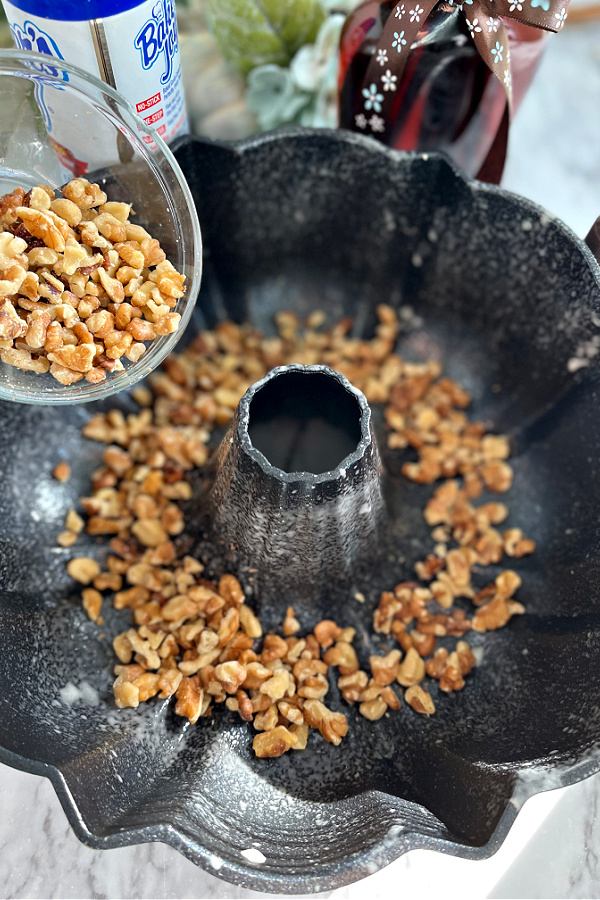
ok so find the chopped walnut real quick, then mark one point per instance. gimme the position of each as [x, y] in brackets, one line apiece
[290, 712]
[351, 686]
[497, 476]
[451, 678]
[83, 194]
[373, 709]
[412, 669]
[291, 625]
[126, 694]
[83, 569]
[333, 726]
[507, 583]
[62, 471]
[436, 666]
[385, 668]
[231, 675]
[92, 603]
[300, 732]
[466, 657]
[343, 656]
[267, 719]
[244, 706]
[278, 686]
[189, 699]
[249, 622]
[327, 632]
[273, 743]
[274, 647]
[389, 696]
[420, 700]
[496, 614]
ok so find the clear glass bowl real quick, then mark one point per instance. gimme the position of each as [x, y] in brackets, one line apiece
[56, 122]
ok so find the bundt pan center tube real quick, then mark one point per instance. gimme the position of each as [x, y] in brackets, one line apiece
[304, 513]
[309, 507]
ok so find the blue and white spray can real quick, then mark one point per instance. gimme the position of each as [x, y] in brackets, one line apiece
[131, 46]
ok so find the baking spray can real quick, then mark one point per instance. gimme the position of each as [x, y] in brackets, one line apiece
[131, 46]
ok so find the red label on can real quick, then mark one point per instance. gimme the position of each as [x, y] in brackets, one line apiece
[146, 104]
[150, 120]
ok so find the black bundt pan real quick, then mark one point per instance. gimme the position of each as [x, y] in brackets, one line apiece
[507, 296]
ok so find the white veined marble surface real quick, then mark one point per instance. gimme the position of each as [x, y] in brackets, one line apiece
[553, 849]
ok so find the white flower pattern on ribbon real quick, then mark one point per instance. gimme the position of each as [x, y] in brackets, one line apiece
[416, 13]
[373, 99]
[560, 17]
[515, 4]
[388, 81]
[497, 53]
[508, 79]
[400, 10]
[493, 24]
[361, 120]
[399, 41]
[474, 26]
[382, 56]
[377, 124]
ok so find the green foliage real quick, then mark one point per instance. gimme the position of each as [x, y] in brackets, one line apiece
[253, 33]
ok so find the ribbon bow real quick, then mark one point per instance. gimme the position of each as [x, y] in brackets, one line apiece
[374, 105]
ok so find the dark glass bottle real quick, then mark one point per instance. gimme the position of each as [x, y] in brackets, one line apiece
[447, 99]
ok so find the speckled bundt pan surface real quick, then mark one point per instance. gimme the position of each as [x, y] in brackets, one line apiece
[505, 296]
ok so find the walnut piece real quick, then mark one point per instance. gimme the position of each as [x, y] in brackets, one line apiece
[385, 668]
[420, 700]
[62, 471]
[273, 743]
[333, 726]
[83, 569]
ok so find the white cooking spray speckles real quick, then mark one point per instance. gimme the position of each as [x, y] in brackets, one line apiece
[586, 351]
[215, 862]
[410, 320]
[389, 220]
[71, 694]
[254, 856]
[478, 654]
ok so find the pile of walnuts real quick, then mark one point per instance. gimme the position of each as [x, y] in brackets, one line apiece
[197, 639]
[81, 287]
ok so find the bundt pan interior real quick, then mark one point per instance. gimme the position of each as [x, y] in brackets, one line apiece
[506, 296]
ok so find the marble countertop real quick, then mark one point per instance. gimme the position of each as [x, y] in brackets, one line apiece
[40, 857]
[554, 160]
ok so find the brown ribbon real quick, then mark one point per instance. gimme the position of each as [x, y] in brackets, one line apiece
[373, 108]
